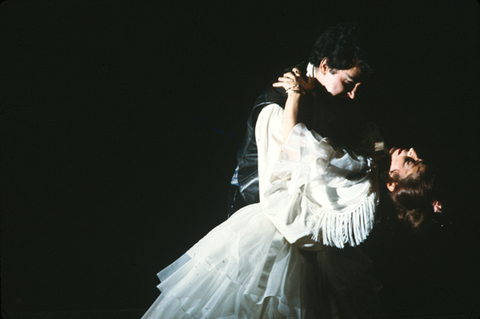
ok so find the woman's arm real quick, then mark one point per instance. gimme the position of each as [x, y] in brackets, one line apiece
[290, 114]
[294, 85]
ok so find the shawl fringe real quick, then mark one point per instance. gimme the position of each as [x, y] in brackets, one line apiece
[337, 228]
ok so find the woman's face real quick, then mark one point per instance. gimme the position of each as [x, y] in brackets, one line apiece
[404, 162]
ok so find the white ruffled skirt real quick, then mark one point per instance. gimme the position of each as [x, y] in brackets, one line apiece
[244, 268]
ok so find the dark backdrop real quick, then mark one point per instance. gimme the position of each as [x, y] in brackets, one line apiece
[120, 123]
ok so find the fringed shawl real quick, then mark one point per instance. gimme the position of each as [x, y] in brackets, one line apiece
[317, 192]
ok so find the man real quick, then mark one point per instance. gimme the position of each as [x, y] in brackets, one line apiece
[336, 69]
[337, 66]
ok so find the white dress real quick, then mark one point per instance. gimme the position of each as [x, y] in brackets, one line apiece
[254, 264]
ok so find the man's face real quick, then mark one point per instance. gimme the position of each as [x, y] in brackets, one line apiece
[339, 82]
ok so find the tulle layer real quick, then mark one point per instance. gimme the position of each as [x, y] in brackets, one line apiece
[242, 269]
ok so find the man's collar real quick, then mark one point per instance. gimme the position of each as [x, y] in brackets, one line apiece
[310, 70]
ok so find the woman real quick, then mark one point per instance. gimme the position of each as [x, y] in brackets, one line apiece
[256, 264]
[410, 185]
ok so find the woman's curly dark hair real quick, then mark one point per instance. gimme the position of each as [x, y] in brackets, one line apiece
[343, 45]
[413, 195]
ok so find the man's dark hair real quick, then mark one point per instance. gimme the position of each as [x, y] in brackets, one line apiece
[343, 45]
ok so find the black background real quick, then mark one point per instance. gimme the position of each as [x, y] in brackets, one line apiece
[120, 123]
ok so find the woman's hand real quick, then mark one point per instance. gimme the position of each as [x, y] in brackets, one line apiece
[293, 82]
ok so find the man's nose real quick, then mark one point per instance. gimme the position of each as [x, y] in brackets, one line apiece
[351, 94]
[411, 153]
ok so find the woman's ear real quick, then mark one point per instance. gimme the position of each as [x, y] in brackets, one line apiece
[391, 186]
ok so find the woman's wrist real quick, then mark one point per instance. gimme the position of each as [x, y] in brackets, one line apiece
[296, 89]
[294, 95]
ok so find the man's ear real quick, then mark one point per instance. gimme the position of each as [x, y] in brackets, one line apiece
[391, 186]
[323, 67]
